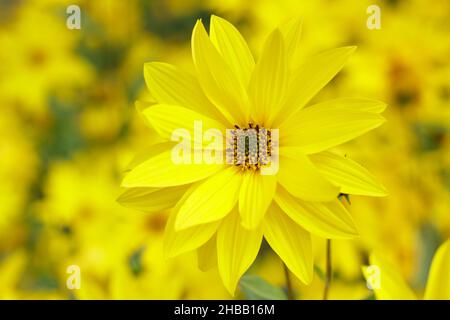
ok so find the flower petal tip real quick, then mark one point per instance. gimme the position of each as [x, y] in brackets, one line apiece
[231, 288]
[306, 278]
[121, 198]
[124, 184]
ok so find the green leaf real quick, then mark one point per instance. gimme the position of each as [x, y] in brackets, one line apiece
[319, 272]
[135, 261]
[256, 288]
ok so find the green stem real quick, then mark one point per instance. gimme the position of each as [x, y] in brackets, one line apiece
[328, 271]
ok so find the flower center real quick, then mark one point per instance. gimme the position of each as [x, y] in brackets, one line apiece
[250, 148]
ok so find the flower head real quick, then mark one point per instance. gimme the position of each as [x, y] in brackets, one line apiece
[224, 209]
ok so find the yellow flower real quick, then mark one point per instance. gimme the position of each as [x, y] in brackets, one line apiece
[393, 286]
[18, 169]
[33, 66]
[226, 209]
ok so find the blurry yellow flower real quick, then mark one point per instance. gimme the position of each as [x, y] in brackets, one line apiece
[10, 268]
[18, 169]
[13, 269]
[34, 65]
[225, 210]
[393, 286]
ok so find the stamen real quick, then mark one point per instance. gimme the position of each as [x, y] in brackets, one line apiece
[251, 147]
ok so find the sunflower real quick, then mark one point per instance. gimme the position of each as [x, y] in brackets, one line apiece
[224, 210]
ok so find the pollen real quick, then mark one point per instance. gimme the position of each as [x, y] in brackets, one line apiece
[250, 147]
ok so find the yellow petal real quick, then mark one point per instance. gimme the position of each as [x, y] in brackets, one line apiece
[326, 219]
[212, 200]
[391, 285]
[292, 32]
[268, 84]
[237, 248]
[255, 197]
[219, 83]
[290, 241]
[438, 284]
[177, 242]
[165, 119]
[207, 255]
[171, 85]
[148, 153]
[160, 171]
[349, 175]
[234, 49]
[310, 78]
[151, 199]
[299, 176]
[355, 104]
[140, 107]
[317, 128]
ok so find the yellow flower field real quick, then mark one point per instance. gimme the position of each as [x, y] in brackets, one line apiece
[109, 191]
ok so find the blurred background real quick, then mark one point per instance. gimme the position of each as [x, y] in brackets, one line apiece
[68, 128]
